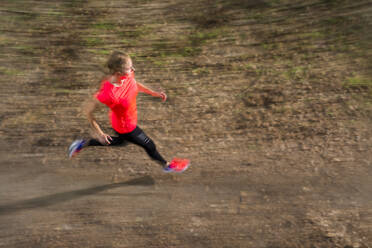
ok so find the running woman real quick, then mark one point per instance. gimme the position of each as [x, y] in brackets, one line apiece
[118, 92]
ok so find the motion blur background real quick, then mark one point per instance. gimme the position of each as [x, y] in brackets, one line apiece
[270, 99]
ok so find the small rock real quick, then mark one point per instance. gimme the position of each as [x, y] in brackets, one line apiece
[306, 189]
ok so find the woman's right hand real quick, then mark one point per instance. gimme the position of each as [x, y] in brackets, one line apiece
[104, 139]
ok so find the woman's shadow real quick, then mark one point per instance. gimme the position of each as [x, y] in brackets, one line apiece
[48, 200]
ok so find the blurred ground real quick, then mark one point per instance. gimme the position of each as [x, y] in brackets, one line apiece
[271, 101]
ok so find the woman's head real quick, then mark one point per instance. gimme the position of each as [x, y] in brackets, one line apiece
[119, 63]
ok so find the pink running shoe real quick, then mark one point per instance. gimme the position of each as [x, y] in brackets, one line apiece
[177, 165]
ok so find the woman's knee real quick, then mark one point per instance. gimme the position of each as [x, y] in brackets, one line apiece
[150, 145]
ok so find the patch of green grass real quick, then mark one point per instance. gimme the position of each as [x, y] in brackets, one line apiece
[4, 41]
[335, 20]
[312, 35]
[10, 71]
[134, 55]
[183, 45]
[181, 51]
[93, 41]
[52, 13]
[100, 51]
[186, 45]
[104, 26]
[257, 15]
[25, 49]
[269, 46]
[196, 40]
[128, 42]
[26, 16]
[189, 51]
[358, 82]
[237, 67]
[201, 71]
[159, 62]
[137, 32]
[295, 72]
[201, 37]
[250, 66]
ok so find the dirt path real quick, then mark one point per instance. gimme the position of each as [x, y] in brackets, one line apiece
[271, 101]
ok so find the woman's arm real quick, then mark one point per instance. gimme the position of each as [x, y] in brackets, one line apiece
[144, 89]
[89, 108]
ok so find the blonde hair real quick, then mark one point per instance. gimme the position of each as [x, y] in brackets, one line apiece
[117, 62]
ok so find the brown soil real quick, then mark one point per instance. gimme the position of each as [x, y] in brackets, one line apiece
[271, 101]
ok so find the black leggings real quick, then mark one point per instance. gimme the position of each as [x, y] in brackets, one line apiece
[138, 137]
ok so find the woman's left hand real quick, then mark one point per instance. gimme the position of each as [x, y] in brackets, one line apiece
[163, 96]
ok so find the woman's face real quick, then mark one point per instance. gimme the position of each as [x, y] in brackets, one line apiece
[128, 67]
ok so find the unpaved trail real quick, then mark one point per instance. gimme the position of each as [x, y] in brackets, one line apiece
[271, 101]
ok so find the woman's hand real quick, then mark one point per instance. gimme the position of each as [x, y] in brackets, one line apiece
[90, 107]
[144, 89]
[104, 139]
[163, 96]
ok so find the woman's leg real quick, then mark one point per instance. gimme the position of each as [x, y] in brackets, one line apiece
[77, 145]
[138, 137]
[116, 140]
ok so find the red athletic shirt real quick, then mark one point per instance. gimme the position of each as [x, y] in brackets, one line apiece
[122, 102]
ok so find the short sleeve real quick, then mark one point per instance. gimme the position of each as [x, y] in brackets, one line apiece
[101, 94]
